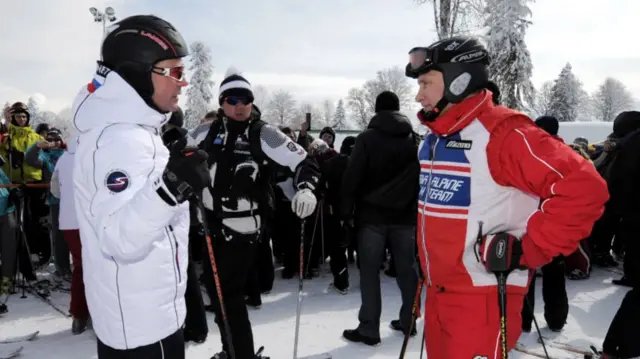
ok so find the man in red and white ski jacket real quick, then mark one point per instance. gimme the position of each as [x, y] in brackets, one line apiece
[487, 169]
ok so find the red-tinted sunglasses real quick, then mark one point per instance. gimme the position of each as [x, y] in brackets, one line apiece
[176, 73]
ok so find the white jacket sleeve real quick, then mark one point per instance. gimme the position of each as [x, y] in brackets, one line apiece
[128, 214]
[54, 185]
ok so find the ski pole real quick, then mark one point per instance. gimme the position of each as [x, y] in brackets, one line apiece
[300, 285]
[216, 278]
[502, 303]
[414, 312]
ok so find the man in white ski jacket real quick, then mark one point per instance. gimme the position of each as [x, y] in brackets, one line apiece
[131, 192]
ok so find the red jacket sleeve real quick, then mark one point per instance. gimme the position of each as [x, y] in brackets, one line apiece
[573, 194]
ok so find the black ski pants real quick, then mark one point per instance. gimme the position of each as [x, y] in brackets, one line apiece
[628, 233]
[234, 260]
[262, 273]
[622, 337]
[554, 294]
[169, 347]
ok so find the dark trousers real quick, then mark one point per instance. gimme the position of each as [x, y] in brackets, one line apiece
[336, 243]
[171, 347]
[234, 261]
[622, 337]
[9, 242]
[35, 215]
[554, 294]
[61, 250]
[603, 231]
[628, 233]
[195, 324]
[372, 240]
[262, 272]
[78, 305]
[287, 229]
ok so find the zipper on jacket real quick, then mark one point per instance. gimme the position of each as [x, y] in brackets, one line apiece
[175, 240]
[432, 152]
[176, 272]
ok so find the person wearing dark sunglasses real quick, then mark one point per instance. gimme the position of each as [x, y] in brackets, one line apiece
[132, 191]
[498, 197]
[244, 154]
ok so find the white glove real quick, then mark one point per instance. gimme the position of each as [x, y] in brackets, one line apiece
[303, 203]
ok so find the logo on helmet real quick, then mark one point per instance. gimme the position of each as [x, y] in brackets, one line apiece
[470, 56]
[452, 46]
[154, 38]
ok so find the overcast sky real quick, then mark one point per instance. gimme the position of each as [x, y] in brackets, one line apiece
[315, 48]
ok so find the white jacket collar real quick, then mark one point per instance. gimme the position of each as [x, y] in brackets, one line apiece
[109, 99]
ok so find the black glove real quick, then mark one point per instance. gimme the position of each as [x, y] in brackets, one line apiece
[173, 136]
[186, 174]
[500, 253]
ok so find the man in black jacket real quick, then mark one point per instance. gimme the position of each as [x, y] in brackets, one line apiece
[244, 152]
[380, 191]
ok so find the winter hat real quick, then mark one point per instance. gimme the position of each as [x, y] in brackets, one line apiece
[42, 127]
[318, 146]
[625, 123]
[549, 124]
[177, 118]
[387, 101]
[234, 85]
[347, 145]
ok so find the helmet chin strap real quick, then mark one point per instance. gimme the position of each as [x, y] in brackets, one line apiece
[430, 116]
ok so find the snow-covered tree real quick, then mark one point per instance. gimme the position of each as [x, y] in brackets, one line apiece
[261, 97]
[35, 105]
[567, 96]
[611, 98]
[454, 17]
[5, 109]
[282, 108]
[199, 93]
[328, 110]
[511, 67]
[541, 104]
[357, 104]
[340, 117]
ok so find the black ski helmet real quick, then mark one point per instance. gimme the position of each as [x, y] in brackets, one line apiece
[463, 62]
[135, 44]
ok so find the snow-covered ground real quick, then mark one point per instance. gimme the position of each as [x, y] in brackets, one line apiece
[325, 315]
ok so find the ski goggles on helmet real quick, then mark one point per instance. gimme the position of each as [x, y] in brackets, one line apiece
[420, 62]
[176, 73]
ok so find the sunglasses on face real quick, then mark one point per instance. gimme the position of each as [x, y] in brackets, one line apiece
[234, 100]
[176, 73]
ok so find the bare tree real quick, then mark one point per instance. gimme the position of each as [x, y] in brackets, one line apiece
[357, 104]
[541, 104]
[391, 79]
[454, 17]
[261, 97]
[611, 98]
[282, 108]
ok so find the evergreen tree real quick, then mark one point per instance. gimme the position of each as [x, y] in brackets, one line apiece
[567, 96]
[511, 66]
[340, 117]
